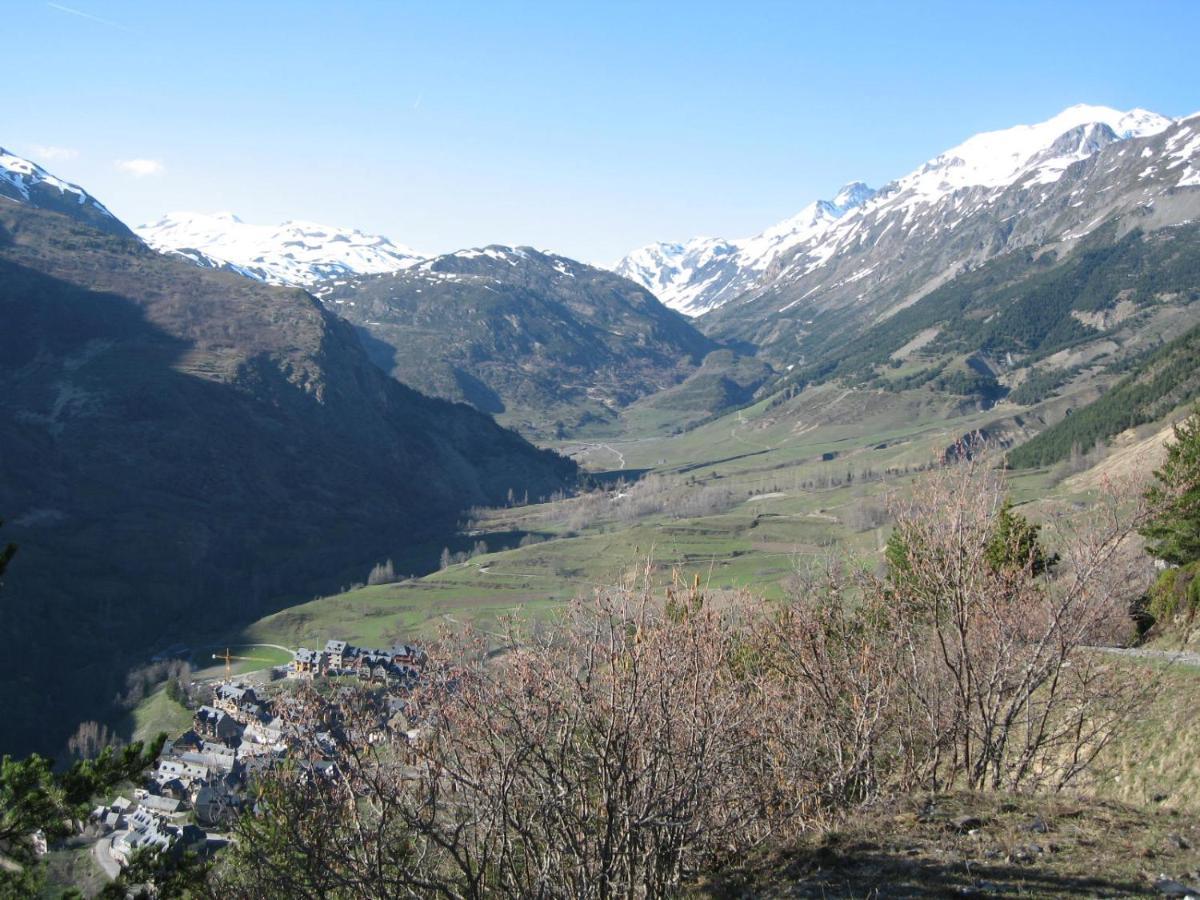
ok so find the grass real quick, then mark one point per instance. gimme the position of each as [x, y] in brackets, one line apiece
[157, 713]
[253, 658]
[1157, 760]
[780, 462]
[974, 845]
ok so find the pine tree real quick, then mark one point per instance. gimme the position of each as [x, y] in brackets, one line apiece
[1173, 533]
[1016, 543]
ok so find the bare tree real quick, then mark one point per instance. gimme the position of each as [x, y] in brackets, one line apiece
[651, 735]
[382, 573]
[997, 658]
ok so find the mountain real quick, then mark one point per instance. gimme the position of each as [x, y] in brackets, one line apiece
[29, 184]
[1037, 298]
[544, 342]
[184, 449]
[705, 272]
[1045, 185]
[294, 253]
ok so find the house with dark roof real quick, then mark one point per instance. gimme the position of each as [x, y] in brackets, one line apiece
[235, 699]
[145, 829]
[339, 655]
[217, 725]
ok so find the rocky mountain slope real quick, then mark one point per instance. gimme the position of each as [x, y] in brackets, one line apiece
[703, 273]
[181, 449]
[1046, 186]
[28, 183]
[294, 253]
[544, 342]
[805, 259]
[1157, 384]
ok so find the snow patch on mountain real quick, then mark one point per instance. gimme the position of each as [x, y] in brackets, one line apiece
[24, 179]
[704, 273]
[296, 252]
[999, 158]
[695, 276]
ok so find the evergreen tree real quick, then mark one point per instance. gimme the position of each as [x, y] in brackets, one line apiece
[1016, 543]
[897, 555]
[33, 797]
[1173, 532]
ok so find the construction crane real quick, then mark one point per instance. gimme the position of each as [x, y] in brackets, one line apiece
[229, 658]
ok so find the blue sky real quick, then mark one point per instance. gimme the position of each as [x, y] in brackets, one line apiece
[584, 128]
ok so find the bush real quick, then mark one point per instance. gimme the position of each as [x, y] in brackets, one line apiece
[382, 573]
[647, 738]
[1175, 596]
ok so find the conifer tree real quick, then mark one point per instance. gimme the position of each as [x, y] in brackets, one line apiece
[1016, 543]
[1173, 532]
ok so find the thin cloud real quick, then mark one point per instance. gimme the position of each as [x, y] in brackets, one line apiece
[54, 153]
[140, 168]
[417, 102]
[84, 15]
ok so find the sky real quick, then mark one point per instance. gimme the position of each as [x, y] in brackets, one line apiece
[585, 128]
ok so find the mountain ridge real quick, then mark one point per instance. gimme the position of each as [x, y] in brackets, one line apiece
[987, 160]
[698, 275]
[24, 181]
[544, 341]
[296, 252]
[186, 448]
[901, 246]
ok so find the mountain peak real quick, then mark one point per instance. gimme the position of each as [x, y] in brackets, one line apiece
[702, 273]
[26, 182]
[995, 159]
[853, 194]
[296, 252]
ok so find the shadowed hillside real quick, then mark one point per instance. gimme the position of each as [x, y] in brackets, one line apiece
[185, 448]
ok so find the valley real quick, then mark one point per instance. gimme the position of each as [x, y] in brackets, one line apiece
[744, 502]
[764, 468]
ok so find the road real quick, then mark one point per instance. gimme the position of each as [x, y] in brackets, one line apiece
[1178, 657]
[611, 449]
[102, 854]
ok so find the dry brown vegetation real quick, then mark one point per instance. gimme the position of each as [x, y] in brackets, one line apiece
[652, 737]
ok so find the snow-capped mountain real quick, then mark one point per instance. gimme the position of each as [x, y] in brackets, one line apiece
[1035, 153]
[705, 272]
[296, 253]
[1042, 187]
[27, 182]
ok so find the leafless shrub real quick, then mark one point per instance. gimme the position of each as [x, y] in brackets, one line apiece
[645, 737]
[90, 738]
[382, 573]
[141, 681]
[865, 515]
[997, 663]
